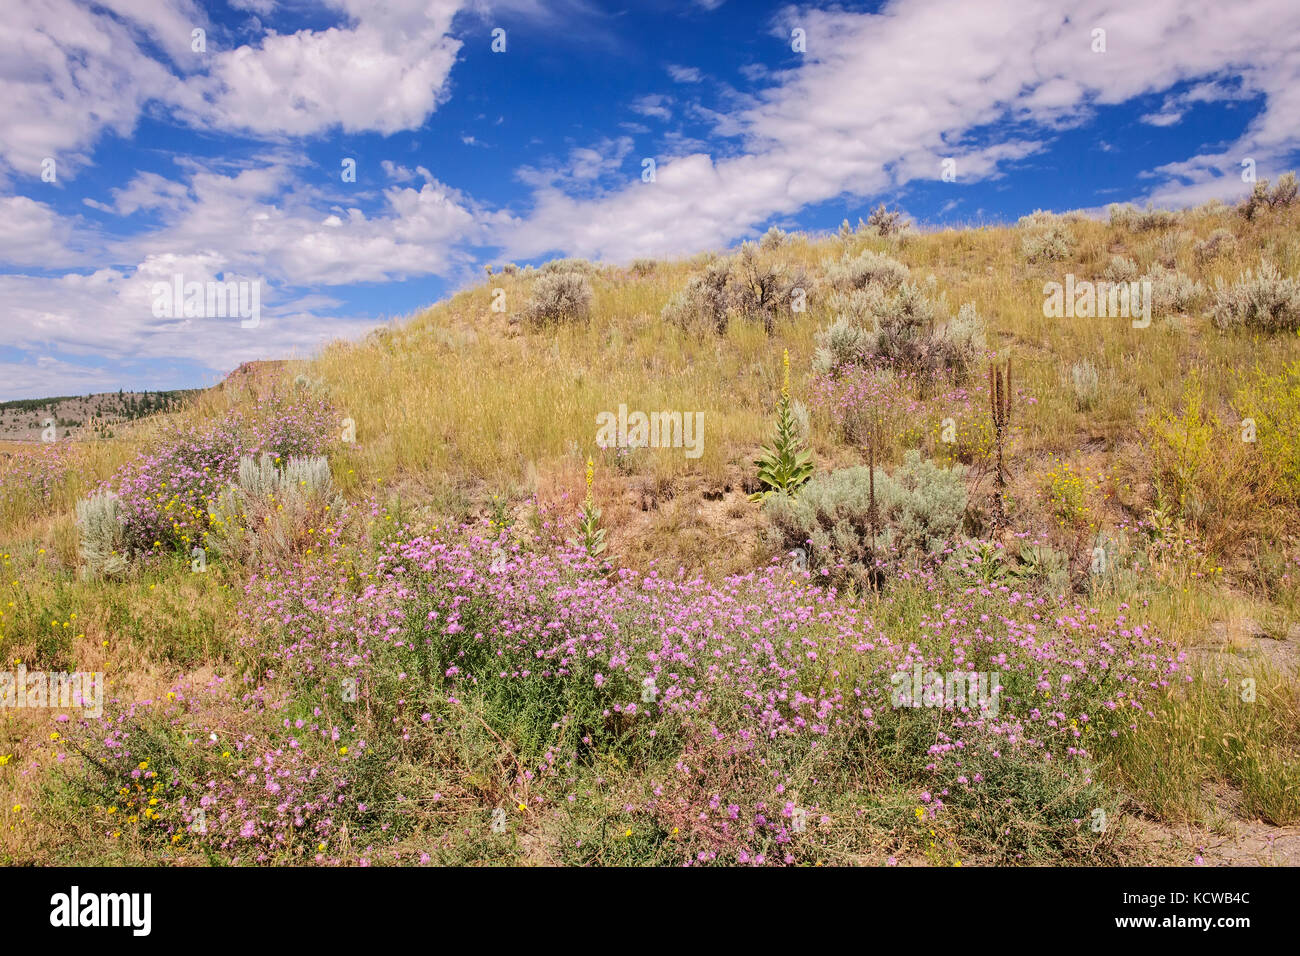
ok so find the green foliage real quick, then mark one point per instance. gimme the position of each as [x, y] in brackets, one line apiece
[1272, 403]
[591, 536]
[786, 466]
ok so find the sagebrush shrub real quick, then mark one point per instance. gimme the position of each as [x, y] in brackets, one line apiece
[1121, 269]
[1121, 214]
[842, 344]
[1168, 247]
[746, 284]
[887, 223]
[760, 289]
[1049, 243]
[919, 512]
[1128, 216]
[1279, 197]
[703, 304]
[1221, 242]
[963, 341]
[559, 297]
[906, 335]
[1084, 382]
[774, 238]
[272, 512]
[570, 265]
[899, 330]
[1150, 219]
[103, 537]
[1045, 217]
[1259, 302]
[1173, 291]
[868, 268]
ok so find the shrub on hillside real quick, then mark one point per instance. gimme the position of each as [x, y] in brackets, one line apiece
[1172, 291]
[1121, 269]
[1258, 302]
[1127, 216]
[868, 268]
[919, 512]
[747, 284]
[1045, 217]
[762, 289]
[1150, 219]
[1167, 248]
[570, 265]
[559, 297]
[1221, 242]
[1084, 383]
[703, 304]
[1279, 197]
[841, 345]
[900, 331]
[887, 223]
[1049, 243]
[774, 238]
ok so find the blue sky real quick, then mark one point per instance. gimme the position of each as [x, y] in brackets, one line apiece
[224, 163]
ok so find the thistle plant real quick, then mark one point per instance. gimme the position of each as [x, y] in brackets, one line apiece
[786, 465]
[591, 536]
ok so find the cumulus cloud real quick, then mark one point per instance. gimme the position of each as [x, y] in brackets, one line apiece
[74, 70]
[35, 235]
[70, 73]
[387, 70]
[224, 225]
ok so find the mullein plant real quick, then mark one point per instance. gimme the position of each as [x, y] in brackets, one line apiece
[1000, 402]
[785, 466]
[591, 536]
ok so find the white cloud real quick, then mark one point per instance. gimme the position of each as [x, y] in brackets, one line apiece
[34, 235]
[654, 105]
[73, 70]
[1161, 119]
[385, 71]
[249, 223]
[937, 71]
[69, 74]
[684, 74]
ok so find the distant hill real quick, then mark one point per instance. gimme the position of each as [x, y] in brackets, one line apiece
[84, 416]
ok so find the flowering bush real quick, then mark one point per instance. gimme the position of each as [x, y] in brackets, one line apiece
[30, 477]
[164, 494]
[386, 714]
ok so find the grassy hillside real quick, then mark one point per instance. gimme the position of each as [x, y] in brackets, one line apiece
[405, 654]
